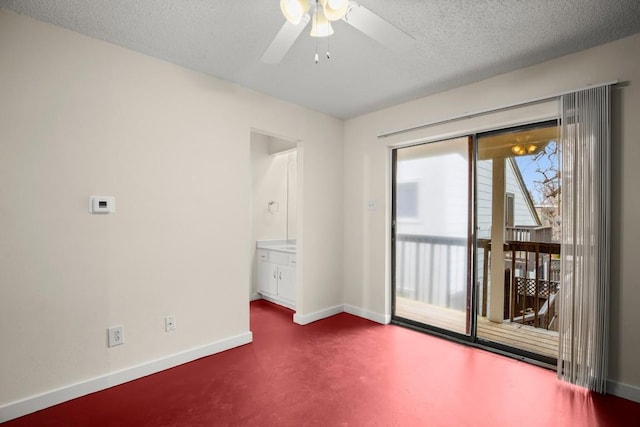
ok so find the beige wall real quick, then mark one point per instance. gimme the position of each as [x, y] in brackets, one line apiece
[367, 176]
[81, 117]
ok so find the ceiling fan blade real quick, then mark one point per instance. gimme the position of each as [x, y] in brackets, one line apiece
[377, 28]
[283, 41]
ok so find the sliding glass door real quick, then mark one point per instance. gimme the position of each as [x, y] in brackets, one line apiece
[431, 210]
[475, 250]
[518, 236]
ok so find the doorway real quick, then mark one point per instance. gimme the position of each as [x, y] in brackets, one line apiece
[475, 239]
[274, 226]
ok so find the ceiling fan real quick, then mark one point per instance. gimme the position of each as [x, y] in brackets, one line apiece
[321, 13]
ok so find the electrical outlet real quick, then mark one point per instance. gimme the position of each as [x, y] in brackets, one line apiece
[372, 206]
[170, 323]
[116, 335]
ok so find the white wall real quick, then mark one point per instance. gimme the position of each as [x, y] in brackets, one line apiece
[80, 117]
[367, 175]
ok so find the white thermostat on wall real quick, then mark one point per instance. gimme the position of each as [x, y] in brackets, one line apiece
[102, 204]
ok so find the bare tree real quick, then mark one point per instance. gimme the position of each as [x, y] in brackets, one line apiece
[548, 187]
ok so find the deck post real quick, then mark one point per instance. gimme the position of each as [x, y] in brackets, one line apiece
[496, 293]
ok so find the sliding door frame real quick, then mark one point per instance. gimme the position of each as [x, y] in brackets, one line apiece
[513, 352]
[469, 300]
[471, 338]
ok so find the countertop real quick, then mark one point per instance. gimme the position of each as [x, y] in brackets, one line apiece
[288, 246]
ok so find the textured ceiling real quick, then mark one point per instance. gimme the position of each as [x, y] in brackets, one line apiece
[456, 42]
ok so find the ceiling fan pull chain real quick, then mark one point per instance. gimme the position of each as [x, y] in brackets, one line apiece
[328, 47]
[315, 16]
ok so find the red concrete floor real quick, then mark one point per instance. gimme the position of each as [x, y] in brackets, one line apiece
[343, 371]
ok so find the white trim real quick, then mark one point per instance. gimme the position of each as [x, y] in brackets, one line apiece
[318, 315]
[35, 403]
[277, 300]
[494, 109]
[287, 151]
[626, 391]
[385, 319]
[255, 296]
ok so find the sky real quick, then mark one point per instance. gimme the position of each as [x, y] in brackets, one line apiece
[529, 166]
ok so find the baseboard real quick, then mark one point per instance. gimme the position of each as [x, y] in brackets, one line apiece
[332, 311]
[370, 315]
[309, 318]
[255, 296]
[31, 404]
[278, 301]
[625, 391]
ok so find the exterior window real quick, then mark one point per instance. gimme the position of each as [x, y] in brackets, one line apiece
[407, 200]
[509, 210]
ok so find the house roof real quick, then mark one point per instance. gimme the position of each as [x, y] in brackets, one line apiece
[456, 42]
[525, 191]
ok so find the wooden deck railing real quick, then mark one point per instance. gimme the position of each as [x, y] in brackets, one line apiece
[428, 270]
[532, 281]
[533, 298]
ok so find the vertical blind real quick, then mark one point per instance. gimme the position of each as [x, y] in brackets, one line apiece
[584, 316]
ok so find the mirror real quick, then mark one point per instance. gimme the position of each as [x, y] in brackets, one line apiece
[274, 168]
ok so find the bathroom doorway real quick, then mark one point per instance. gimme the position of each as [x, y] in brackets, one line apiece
[274, 219]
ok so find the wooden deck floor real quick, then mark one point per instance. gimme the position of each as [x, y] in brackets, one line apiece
[524, 337]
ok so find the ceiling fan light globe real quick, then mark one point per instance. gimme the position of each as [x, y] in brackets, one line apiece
[517, 150]
[320, 27]
[294, 10]
[335, 9]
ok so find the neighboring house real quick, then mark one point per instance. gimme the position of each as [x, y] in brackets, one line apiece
[442, 211]
[437, 218]
[519, 207]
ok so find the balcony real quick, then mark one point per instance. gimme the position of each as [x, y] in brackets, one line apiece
[524, 337]
[528, 233]
[430, 289]
[531, 281]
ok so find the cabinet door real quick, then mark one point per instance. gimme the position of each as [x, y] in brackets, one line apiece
[287, 283]
[273, 279]
[267, 278]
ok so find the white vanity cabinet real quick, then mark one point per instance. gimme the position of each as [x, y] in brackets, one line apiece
[287, 283]
[267, 274]
[277, 276]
